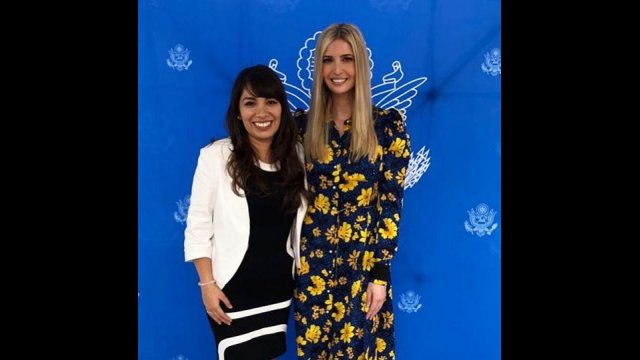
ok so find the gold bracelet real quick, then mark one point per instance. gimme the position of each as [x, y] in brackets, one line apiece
[380, 282]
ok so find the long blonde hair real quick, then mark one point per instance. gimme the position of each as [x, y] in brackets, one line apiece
[363, 136]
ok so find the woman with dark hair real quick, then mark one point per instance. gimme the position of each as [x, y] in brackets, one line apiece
[244, 220]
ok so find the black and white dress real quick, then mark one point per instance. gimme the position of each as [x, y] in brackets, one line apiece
[261, 289]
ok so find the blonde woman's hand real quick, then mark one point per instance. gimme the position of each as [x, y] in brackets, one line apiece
[376, 295]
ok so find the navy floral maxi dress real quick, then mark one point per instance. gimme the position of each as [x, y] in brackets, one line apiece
[349, 237]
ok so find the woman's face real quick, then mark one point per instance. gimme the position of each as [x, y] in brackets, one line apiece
[260, 117]
[338, 67]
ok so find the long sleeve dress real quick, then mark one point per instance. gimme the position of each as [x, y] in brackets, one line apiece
[349, 237]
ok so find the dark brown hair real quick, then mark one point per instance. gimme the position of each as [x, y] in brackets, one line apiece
[261, 81]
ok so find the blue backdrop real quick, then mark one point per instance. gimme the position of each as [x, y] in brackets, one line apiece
[439, 61]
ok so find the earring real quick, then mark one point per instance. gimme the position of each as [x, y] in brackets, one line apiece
[239, 118]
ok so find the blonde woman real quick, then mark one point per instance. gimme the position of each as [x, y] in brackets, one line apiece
[356, 160]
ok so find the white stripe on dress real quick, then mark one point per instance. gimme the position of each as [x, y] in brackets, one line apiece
[224, 344]
[258, 310]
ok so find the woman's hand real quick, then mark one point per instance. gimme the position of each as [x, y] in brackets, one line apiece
[376, 295]
[212, 295]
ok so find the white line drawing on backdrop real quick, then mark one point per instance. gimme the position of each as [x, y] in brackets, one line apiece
[180, 215]
[492, 64]
[179, 58]
[480, 220]
[409, 302]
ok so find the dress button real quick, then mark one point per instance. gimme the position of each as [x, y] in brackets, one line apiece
[334, 187]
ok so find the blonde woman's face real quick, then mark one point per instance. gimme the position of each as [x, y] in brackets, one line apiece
[338, 67]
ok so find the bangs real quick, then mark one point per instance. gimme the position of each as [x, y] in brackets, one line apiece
[261, 86]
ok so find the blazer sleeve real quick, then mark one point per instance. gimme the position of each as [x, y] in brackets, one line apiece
[198, 235]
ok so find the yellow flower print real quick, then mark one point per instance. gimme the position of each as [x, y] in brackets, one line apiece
[327, 327]
[308, 166]
[336, 173]
[388, 175]
[387, 319]
[321, 203]
[339, 313]
[368, 260]
[316, 232]
[396, 217]
[380, 345]
[324, 182]
[317, 311]
[347, 332]
[397, 147]
[365, 197]
[353, 259]
[349, 353]
[313, 334]
[351, 181]
[390, 230]
[299, 352]
[304, 266]
[318, 286]
[331, 235]
[301, 341]
[364, 235]
[360, 218]
[376, 322]
[365, 356]
[344, 232]
[302, 297]
[328, 156]
[332, 283]
[329, 302]
[400, 176]
[355, 287]
[308, 220]
[363, 302]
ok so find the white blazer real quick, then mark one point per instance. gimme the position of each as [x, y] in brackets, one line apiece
[218, 219]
